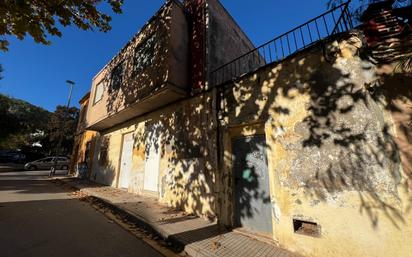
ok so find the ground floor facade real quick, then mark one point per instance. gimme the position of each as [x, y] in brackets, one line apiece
[83, 151]
[168, 154]
[312, 153]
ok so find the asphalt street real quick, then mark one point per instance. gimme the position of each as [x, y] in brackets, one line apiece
[40, 219]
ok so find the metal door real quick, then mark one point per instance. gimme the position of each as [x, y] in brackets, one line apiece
[126, 160]
[252, 193]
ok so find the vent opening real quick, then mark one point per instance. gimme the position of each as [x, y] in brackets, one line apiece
[306, 228]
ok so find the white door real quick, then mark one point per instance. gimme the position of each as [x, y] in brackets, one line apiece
[126, 160]
[152, 165]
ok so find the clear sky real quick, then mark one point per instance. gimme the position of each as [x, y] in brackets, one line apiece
[37, 73]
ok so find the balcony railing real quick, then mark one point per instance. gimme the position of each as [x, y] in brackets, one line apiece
[334, 21]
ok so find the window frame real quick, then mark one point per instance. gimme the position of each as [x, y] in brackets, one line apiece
[115, 68]
[95, 93]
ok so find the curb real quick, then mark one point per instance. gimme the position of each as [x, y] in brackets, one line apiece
[173, 243]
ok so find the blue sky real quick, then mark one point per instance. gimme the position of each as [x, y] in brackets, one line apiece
[37, 73]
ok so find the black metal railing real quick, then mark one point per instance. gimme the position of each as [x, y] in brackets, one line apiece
[332, 22]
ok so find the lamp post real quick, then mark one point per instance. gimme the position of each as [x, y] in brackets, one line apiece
[59, 144]
[71, 84]
[66, 114]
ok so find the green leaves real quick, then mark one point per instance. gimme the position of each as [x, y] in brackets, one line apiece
[39, 18]
[18, 121]
[61, 130]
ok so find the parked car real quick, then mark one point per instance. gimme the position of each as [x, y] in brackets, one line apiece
[12, 157]
[47, 163]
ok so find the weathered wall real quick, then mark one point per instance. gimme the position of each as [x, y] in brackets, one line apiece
[82, 137]
[168, 66]
[187, 146]
[79, 157]
[334, 150]
[225, 40]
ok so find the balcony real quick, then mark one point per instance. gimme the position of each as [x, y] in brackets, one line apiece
[337, 20]
[148, 73]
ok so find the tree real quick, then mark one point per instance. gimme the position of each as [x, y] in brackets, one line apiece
[40, 18]
[20, 122]
[61, 130]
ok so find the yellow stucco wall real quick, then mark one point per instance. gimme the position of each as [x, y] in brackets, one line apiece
[333, 152]
[187, 163]
[79, 150]
[337, 151]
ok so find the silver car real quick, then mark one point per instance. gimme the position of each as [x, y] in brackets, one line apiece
[47, 163]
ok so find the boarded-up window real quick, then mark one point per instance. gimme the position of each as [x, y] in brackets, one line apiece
[98, 95]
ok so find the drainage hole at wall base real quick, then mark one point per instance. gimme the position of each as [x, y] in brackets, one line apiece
[307, 228]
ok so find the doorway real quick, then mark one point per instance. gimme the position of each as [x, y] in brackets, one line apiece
[126, 160]
[251, 184]
[152, 163]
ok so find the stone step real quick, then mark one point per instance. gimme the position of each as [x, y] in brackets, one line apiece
[386, 51]
[385, 20]
[389, 31]
[381, 12]
[387, 25]
[390, 35]
[393, 56]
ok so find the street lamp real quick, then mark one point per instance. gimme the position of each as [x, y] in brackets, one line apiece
[71, 84]
[59, 144]
[66, 114]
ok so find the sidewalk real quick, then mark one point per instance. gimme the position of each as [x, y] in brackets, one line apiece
[196, 236]
[8, 167]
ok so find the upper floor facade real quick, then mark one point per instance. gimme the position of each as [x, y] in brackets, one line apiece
[167, 60]
[151, 69]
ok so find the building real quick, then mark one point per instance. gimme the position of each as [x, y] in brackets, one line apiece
[147, 114]
[305, 140]
[84, 143]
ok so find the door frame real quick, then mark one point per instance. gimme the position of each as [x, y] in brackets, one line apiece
[231, 133]
[119, 165]
[159, 153]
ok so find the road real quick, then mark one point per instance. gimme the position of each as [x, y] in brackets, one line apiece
[40, 219]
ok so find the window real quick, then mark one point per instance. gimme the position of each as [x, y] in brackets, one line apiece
[116, 78]
[83, 111]
[144, 55]
[98, 93]
[47, 159]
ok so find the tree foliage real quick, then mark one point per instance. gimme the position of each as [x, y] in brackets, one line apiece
[40, 18]
[20, 121]
[61, 130]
